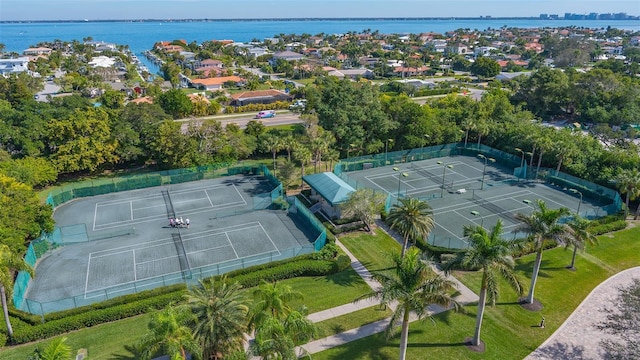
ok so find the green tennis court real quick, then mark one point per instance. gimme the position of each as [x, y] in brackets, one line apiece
[122, 242]
[463, 190]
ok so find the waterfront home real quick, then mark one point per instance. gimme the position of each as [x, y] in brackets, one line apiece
[288, 56]
[37, 51]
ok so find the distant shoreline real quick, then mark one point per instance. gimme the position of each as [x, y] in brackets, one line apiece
[306, 19]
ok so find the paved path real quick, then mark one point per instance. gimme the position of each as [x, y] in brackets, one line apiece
[577, 337]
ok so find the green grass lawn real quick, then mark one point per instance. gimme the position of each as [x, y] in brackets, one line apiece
[372, 251]
[509, 331]
[352, 320]
[107, 341]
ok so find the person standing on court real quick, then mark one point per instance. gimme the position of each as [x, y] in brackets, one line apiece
[187, 222]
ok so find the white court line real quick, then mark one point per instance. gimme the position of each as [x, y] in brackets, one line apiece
[118, 224]
[206, 193]
[135, 267]
[230, 244]
[86, 281]
[241, 197]
[272, 243]
[206, 235]
[95, 217]
[131, 206]
[140, 198]
[158, 259]
[447, 230]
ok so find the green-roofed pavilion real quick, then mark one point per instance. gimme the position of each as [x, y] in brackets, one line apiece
[329, 190]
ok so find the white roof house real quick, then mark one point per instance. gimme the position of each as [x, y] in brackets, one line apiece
[11, 66]
[102, 61]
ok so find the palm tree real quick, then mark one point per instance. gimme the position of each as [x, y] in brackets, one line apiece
[273, 143]
[272, 300]
[10, 262]
[578, 235]
[542, 224]
[56, 350]
[414, 286]
[412, 218]
[169, 334]
[628, 182]
[220, 313]
[490, 253]
[277, 338]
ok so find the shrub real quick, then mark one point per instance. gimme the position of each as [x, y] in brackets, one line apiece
[608, 227]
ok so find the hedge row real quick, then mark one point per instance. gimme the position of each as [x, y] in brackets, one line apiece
[257, 107]
[28, 327]
[608, 227]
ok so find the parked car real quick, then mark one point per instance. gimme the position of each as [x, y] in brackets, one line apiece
[298, 105]
[266, 114]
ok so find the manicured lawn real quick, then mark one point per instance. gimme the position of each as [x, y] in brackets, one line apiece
[325, 292]
[106, 341]
[509, 331]
[372, 251]
[352, 320]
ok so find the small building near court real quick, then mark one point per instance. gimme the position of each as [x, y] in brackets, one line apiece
[330, 191]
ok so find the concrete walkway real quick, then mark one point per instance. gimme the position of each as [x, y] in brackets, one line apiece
[465, 296]
[578, 337]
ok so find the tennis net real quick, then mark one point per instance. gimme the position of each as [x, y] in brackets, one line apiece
[495, 209]
[424, 172]
[168, 204]
[182, 255]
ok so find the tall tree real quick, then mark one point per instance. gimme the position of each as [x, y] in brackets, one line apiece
[219, 317]
[273, 143]
[628, 182]
[10, 262]
[168, 334]
[272, 300]
[412, 218]
[277, 338]
[578, 236]
[490, 253]
[176, 103]
[543, 224]
[364, 204]
[414, 286]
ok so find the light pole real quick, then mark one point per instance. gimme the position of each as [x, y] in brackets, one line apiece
[576, 191]
[522, 158]
[386, 148]
[484, 169]
[426, 139]
[400, 176]
[526, 165]
[477, 213]
[444, 172]
[348, 154]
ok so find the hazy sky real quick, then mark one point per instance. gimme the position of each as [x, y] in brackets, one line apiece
[221, 9]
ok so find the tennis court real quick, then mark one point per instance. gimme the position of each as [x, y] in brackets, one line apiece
[462, 190]
[122, 242]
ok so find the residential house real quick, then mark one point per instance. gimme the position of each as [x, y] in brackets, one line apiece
[143, 100]
[349, 73]
[484, 50]
[410, 71]
[259, 97]
[457, 49]
[13, 66]
[288, 56]
[438, 45]
[216, 83]
[37, 51]
[418, 83]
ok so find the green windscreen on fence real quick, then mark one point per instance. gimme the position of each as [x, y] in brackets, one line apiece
[313, 222]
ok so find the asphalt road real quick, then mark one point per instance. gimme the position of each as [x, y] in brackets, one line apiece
[283, 117]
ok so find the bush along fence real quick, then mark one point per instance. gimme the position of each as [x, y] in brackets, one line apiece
[74, 233]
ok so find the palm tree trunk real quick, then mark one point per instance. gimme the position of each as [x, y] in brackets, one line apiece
[539, 162]
[5, 310]
[534, 276]
[626, 208]
[274, 162]
[404, 245]
[481, 305]
[635, 216]
[404, 334]
[559, 165]
[466, 138]
[573, 258]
